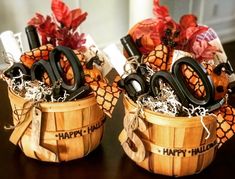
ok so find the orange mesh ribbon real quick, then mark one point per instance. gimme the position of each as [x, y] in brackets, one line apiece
[106, 95]
[225, 123]
[159, 59]
[28, 58]
[196, 86]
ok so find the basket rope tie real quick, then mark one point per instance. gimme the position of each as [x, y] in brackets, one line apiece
[24, 111]
[28, 112]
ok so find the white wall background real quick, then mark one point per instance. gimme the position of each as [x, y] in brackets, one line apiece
[107, 20]
[220, 15]
[14, 14]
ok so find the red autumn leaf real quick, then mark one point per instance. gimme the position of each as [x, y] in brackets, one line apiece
[47, 30]
[47, 27]
[38, 19]
[77, 40]
[187, 21]
[161, 12]
[60, 28]
[182, 35]
[61, 12]
[77, 18]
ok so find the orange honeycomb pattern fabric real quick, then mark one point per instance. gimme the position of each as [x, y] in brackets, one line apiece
[225, 123]
[159, 59]
[67, 69]
[194, 82]
[28, 58]
[220, 82]
[106, 95]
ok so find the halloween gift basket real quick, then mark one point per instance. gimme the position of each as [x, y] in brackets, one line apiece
[58, 94]
[176, 81]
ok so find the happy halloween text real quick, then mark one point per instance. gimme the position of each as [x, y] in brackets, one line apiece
[79, 132]
[186, 152]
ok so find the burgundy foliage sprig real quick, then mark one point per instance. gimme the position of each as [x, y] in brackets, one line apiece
[183, 35]
[61, 27]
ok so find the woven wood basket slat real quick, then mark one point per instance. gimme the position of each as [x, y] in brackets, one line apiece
[61, 118]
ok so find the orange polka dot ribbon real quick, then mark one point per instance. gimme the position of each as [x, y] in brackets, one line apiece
[106, 94]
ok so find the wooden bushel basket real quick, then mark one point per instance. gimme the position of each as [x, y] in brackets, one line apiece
[173, 146]
[69, 130]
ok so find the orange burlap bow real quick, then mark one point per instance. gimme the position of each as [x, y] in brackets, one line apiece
[106, 94]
